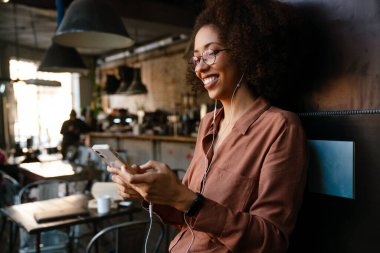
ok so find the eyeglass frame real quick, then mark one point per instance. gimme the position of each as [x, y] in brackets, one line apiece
[201, 57]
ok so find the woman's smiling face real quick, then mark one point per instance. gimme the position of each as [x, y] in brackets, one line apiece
[220, 78]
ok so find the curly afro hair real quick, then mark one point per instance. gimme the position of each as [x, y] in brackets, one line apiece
[260, 36]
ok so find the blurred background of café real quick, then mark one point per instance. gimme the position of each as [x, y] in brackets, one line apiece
[138, 89]
[125, 78]
[126, 83]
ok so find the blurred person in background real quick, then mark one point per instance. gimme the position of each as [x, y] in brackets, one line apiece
[71, 130]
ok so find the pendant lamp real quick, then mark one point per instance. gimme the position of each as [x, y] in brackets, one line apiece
[126, 77]
[136, 87]
[60, 58]
[92, 24]
[38, 82]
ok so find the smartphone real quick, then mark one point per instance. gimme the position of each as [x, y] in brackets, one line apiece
[109, 156]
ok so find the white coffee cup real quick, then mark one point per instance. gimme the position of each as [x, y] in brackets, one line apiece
[103, 203]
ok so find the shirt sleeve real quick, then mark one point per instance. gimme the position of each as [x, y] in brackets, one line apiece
[271, 218]
[168, 214]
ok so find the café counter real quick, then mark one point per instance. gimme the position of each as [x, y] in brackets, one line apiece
[176, 151]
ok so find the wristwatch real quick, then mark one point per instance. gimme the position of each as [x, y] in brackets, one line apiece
[196, 205]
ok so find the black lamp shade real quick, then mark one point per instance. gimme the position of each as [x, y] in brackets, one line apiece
[92, 24]
[126, 77]
[60, 58]
[136, 87]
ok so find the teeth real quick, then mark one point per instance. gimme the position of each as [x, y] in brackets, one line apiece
[209, 79]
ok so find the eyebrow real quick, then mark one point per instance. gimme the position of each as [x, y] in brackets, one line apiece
[208, 44]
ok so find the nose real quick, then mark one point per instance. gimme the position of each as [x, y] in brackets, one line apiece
[201, 66]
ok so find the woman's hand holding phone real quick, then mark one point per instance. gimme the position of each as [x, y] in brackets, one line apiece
[153, 181]
[119, 168]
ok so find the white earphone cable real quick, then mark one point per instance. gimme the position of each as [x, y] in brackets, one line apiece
[212, 159]
[150, 225]
[221, 132]
[192, 233]
[212, 144]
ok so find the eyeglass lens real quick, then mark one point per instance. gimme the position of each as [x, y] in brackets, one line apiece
[207, 57]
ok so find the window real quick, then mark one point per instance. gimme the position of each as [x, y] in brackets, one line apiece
[40, 110]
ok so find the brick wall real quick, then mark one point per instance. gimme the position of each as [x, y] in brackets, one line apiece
[163, 71]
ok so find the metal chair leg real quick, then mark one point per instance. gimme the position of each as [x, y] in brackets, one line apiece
[38, 242]
[3, 221]
[11, 236]
[96, 243]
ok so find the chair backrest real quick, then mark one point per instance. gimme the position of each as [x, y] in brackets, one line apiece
[53, 240]
[84, 155]
[42, 190]
[9, 188]
[129, 237]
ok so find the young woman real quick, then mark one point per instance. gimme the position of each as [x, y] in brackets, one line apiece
[244, 186]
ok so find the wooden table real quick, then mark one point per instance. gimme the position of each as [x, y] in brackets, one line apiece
[49, 169]
[56, 169]
[22, 215]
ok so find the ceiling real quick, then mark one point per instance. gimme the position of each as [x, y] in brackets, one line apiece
[32, 23]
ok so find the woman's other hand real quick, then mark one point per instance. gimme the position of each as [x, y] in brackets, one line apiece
[121, 178]
[160, 185]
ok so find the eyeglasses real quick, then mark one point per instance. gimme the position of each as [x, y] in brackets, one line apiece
[208, 56]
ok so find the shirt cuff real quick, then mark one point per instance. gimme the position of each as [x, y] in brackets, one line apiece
[210, 218]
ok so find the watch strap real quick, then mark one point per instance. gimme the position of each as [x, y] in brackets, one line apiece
[196, 205]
